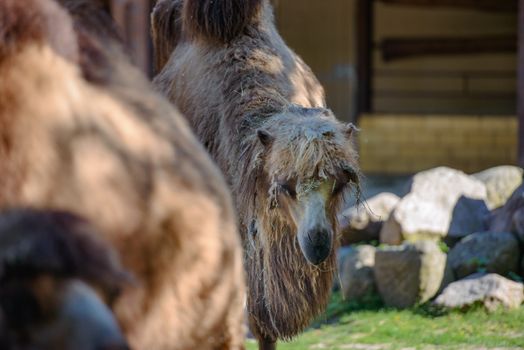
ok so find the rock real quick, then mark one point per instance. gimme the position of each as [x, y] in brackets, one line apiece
[342, 253]
[364, 222]
[442, 202]
[391, 232]
[518, 224]
[448, 278]
[510, 218]
[409, 274]
[491, 290]
[469, 216]
[496, 252]
[356, 275]
[500, 183]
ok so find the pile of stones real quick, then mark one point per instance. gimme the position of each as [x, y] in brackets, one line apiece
[453, 238]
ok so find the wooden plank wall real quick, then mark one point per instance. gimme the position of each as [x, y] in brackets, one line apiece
[464, 84]
[323, 34]
[132, 18]
[521, 83]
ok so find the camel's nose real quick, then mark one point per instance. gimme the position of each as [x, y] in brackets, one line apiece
[321, 245]
[316, 246]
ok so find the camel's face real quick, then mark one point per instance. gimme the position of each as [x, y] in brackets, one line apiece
[309, 215]
[48, 313]
[309, 206]
[310, 163]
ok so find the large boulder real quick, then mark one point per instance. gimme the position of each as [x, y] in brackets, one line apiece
[500, 183]
[510, 218]
[496, 252]
[442, 202]
[491, 290]
[356, 273]
[518, 223]
[409, 274]
[364, 222]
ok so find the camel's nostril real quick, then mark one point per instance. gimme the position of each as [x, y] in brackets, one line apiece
[319, 237]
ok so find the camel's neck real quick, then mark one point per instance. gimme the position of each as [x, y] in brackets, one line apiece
[285, 291]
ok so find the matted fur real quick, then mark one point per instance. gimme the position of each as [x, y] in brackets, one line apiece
[222, 20]
[230, 90]
[306, 146]
[89, 136]
[35, 22]
[166, 27]
[35, 242]
[42, 254]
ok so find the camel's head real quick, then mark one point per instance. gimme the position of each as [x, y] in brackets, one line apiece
[309, 163]
[57, 281]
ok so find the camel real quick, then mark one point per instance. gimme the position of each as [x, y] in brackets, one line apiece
[261, 114]
[82, 131]
[57, 283]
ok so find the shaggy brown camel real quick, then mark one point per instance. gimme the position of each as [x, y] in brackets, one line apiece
[82, 131]
[260, 112]
[57, 282]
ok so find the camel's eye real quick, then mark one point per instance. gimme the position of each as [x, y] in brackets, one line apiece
[287, 189]
[348, 176]
[338, 187]
[351, 175]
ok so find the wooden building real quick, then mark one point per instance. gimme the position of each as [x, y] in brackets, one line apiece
[430, 82]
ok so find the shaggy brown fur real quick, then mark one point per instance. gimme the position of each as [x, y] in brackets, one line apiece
[260, 112]
[43, 257]
[86, 134]
[166, 25]
[219, 20]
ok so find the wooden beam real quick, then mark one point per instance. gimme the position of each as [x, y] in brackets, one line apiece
[481, 5]
[365, 16]
[399, 48]
[520, 93]
[132, 18]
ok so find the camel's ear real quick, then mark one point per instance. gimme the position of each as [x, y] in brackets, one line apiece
[265, 137]
[351, 129]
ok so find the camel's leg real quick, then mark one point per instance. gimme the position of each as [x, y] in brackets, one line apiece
[267, 344]
[264, 342]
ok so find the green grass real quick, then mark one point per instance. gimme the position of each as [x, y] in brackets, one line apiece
[371, 326]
